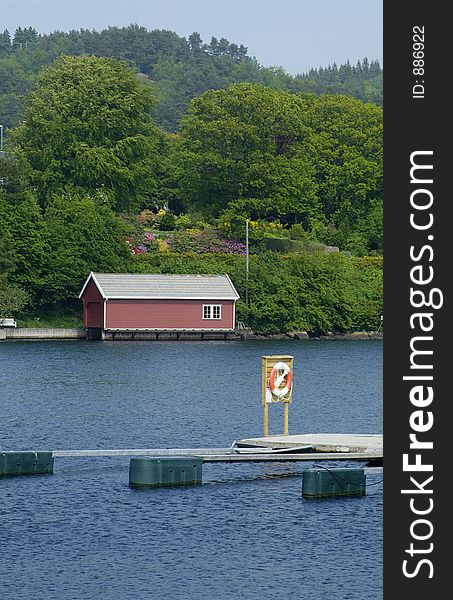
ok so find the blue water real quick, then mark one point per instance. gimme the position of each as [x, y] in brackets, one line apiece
[245, 533]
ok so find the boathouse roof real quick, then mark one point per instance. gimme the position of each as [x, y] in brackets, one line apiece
[134, 286]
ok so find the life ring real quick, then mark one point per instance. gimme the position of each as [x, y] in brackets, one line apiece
[280, 372]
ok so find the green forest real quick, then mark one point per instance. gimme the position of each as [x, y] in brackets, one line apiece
[130, 150]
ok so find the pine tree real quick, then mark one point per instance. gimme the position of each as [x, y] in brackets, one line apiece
[5, 43]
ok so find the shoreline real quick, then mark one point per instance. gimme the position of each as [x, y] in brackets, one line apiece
[350, 335]
[60, 333]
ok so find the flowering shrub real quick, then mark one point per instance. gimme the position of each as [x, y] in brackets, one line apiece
[272, 226]
[207, 241]
[204, 242]
[183, 222]
[141, 242]
[148, 218]
[182, 241]
[163, 245]
[136, 248]
[232, 247]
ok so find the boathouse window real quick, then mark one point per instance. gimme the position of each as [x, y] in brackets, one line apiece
[212, 311]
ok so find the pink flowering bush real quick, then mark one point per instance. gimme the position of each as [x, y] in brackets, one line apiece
[204, 242]
[141, 243]
[208, 241]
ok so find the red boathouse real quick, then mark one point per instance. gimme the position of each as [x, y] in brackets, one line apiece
[115, 303]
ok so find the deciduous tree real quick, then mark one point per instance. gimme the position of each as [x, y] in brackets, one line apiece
[244, 149]
[87, 125]
[84, 235]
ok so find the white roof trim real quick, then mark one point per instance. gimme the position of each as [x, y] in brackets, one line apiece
[93, 277]
[211, 299]
[164, 297]
[231, 283]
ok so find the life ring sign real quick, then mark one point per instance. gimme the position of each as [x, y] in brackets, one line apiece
[280, 383]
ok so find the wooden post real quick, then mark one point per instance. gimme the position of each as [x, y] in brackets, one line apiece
[266, 420]
[285, 417]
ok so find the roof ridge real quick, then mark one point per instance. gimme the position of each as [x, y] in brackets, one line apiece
[164, 274]
[194, 286]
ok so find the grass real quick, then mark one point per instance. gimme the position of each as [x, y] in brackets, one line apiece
[55, 317]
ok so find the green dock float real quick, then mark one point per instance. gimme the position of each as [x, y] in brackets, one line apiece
[26, 463]
[164, 471]
[333, 483]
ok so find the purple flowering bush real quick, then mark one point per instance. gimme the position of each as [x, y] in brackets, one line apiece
[141, 243]
[207, 241]
[204, 242]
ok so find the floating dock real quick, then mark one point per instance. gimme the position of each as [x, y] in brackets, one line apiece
[280, 448]
[305, 447]
[322, 442]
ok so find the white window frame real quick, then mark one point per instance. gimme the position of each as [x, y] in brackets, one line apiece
[210, 310]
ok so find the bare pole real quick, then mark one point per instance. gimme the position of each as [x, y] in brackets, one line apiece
[247, 262]
[1, 138]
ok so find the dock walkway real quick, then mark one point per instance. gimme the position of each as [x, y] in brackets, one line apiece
[306, 447]
[322, 442]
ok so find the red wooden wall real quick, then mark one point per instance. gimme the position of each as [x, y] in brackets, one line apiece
[93, 306]
[166, 314]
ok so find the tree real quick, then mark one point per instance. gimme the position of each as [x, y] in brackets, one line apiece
[12, 299]
[13, 78]
[7, 257]
[87, 125]
[195, 42]
[5, 42]
[347, 154]
[21, 226]
[11, 106]
[168, 195]
[243, 149]
[207, 67]
[264, 154]
[84, 235]
[24, 37]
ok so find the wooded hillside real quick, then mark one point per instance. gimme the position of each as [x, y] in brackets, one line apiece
[92, 180]
[179, 68]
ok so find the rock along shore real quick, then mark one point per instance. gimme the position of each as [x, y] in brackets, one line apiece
[303, 335]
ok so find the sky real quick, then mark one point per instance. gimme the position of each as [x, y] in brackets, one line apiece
[294, 34]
